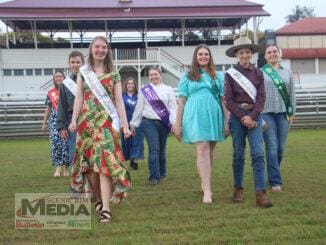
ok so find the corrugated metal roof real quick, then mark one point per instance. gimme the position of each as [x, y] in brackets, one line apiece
[104, 9]
[117, 4]
[306, 26]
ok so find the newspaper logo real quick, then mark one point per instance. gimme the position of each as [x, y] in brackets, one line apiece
[52, 211]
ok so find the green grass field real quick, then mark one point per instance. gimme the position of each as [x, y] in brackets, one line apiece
[172, 213]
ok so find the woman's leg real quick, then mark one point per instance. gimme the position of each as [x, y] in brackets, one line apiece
[152, 137]
[204, 169]
[271, 146]
[212, 147]
[94, 180]
[106, 191]
[282, 134]
[163, 134]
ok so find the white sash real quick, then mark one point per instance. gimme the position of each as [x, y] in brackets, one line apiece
[243, 82]
[101, 94]
[71, 85]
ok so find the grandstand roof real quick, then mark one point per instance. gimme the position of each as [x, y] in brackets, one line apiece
[17, 13]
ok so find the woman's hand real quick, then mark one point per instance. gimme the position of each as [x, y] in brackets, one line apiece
[126, 132]
[177, 132]
[248, 122]
[73, 126]
[172, 129]
[133, 131]
[291, 120]
[226, 130]
[63, 133]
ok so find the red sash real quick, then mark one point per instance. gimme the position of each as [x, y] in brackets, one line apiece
[54, 97]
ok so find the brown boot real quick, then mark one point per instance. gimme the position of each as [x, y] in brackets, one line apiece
[238, 195]
[262, 200]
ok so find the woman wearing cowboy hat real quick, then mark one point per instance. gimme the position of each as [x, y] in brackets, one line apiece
[245, 98]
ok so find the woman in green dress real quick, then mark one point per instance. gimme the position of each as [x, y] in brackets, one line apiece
[201, 116]
[98, 137]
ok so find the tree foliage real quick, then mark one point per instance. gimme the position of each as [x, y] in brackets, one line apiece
[299, 13]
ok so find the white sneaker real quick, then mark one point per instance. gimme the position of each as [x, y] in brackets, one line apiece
[276, 188]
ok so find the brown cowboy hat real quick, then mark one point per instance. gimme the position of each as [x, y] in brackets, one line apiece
[240, 43]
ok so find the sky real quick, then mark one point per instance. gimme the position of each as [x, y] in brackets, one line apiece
[279, 9]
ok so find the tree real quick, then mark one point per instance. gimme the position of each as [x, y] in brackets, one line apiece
[189, 36]
[299, 13]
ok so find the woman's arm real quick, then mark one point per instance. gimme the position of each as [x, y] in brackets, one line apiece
[138, 112]
[226, 117]
[46, 117]
[121, 108]
[78, 103]
[177, 127]
[292, 98]
[172, 104]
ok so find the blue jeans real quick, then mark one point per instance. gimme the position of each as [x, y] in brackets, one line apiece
[239, 133]
[275, 140]
[71, 141]
[156, 136]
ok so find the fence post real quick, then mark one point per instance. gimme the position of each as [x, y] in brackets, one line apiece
[6, 113]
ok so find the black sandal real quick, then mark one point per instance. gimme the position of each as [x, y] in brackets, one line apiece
[105, 217]
[98, 207]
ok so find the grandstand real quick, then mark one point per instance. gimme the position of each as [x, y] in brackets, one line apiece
[141, 33]
[163, 38]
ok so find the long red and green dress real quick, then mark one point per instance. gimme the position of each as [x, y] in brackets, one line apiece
[98, 144]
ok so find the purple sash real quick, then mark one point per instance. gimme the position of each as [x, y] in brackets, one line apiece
[157, 105]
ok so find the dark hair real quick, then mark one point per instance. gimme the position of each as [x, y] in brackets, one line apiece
[124, 89]
[271, 45]
[154, 68]
[74, 54]
[108, 64]
[56, 85]
[193, 72]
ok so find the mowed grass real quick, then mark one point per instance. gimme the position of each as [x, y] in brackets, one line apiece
[172, 213]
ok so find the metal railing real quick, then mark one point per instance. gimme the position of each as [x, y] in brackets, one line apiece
[138, 56]
[19, 119]
[120, 39]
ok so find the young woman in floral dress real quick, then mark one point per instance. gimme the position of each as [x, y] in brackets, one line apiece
[98, 138]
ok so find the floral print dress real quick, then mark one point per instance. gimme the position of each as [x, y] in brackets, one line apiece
[98, 144]
[59, 147]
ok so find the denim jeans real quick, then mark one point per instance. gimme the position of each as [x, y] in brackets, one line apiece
[71, 141]
[275, 140]
[156, 136]
[239, 133]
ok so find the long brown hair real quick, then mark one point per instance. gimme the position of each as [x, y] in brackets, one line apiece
[193, 72]
[108, 64]
[63, 75]
[124, 89]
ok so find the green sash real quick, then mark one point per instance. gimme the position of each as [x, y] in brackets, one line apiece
[280, 85]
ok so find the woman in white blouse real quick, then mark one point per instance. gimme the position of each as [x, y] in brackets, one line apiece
[156, 112]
